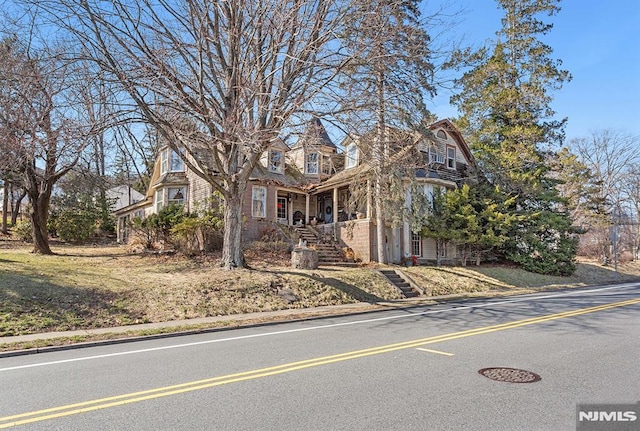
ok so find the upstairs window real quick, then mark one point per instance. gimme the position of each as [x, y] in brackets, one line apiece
[311, 163]
[170, 161]
[276, 161]
[451, 157]
[177, 164]
[259, 202]
[441, 134]
[326, 165]
[164, 162]
[351, 156]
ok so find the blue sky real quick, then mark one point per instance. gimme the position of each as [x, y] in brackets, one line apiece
[598, 43]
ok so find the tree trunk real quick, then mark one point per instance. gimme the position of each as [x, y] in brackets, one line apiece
[378, 158]
[232, 255]
[39, 216]
[15, 210]
[5, 206]
[39, 197]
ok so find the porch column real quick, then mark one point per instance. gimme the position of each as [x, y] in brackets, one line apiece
[290, 209]
[306, 209]
[406, 240]
[335, 205]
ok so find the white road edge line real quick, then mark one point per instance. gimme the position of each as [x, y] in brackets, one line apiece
[525, 298]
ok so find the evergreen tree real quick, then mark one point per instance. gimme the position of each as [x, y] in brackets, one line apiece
[505, 102]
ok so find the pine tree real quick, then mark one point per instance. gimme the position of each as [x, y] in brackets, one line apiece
[505, 102]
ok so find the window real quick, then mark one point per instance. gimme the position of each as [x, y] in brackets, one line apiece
[170, 161]
[441, 134]
[159, 199]
[176, 195]
[282, 208]
[443, 249]
[259, 202]
[416, 244]
[311, 163]
[352, 156]
[276, 161]
[177, 165]
[164, 163]
[451, 157]
[326, 165]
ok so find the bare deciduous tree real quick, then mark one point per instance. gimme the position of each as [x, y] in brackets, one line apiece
[218, 80]
[385, 86]
[39, 126]
[610, 157]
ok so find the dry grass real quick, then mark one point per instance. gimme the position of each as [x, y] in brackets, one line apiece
[95, 287]
[458, 280]
[91, 287]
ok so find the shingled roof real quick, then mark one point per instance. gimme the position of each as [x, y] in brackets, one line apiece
[315, 134]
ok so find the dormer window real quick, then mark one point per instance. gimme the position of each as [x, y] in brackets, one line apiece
[170, 161]
[351, 159]
[311, 163]
[276, 161]
[451, 157]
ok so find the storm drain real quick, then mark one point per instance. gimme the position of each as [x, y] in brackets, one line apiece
[510, 375]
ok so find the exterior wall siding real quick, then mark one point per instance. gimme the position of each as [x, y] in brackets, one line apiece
[199, 192]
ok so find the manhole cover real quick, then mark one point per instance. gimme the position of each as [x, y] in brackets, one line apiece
[510, 375]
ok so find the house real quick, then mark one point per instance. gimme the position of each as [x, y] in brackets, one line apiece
[123, 196]
[312, 183]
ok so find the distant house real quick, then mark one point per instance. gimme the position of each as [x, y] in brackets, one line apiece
[310, 183]
[123, 196]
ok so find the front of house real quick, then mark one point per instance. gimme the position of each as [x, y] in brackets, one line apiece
[312, 183]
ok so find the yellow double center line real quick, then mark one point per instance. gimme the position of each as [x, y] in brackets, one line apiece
[134, 397]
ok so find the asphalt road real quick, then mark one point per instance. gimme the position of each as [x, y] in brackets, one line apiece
[409, 369]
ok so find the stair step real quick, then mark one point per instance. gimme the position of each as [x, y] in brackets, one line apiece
[399, 282]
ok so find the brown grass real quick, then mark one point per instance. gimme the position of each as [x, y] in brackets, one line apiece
[91, 287]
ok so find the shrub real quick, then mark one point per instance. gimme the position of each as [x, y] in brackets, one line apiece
[74, 225]
[155, 230]
[196, 234]
[22, 230]
[269, 247]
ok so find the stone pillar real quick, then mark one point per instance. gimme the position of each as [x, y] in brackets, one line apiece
[304, 258]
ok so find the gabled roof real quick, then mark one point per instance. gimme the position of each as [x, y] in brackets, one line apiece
[315, 135]
[279, 144]
[291, 177]
[399, 140]
[457, 136]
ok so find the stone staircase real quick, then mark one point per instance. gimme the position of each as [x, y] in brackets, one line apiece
[328, 252]
[399, 282]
